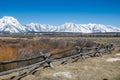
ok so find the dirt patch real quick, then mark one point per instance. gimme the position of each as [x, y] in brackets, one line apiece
[29, 77]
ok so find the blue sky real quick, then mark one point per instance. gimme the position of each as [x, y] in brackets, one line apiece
[57, 12]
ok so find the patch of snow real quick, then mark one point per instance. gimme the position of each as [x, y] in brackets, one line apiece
[118, 54]
[63, 74]
[113, 59]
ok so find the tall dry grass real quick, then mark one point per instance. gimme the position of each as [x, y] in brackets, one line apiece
[19, 49]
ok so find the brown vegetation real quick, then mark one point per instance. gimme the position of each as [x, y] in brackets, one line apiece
[12, 49]
[90, 69]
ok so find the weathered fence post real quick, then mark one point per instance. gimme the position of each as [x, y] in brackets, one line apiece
[97, 52]
[46, 56]
[50, 65]
[109, 48]
[3, 67]
[80, 51]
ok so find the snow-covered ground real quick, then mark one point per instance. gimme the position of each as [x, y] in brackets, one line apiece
[113, 59]
[63, 74]
[118, 54]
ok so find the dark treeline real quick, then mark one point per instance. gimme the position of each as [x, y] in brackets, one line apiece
[61, 34]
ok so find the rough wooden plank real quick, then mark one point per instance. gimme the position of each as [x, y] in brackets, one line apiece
[20, 60]
[22, 68]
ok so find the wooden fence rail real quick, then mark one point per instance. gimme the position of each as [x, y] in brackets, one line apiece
[20, 60]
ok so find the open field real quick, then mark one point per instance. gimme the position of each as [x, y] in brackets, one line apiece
[96, 68]
[91, 69]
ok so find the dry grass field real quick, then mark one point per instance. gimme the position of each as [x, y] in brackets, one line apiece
[106, 67]
[91, 69]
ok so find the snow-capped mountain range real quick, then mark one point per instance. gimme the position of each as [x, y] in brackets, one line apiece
[11, 25]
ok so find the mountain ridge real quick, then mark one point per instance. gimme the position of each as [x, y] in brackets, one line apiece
[11, 25]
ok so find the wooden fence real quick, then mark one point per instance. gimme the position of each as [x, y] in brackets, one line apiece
[49, 58]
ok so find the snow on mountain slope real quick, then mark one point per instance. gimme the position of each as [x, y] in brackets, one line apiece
[35, 27]
[69, 27]
[87, 28]
[100, 28]
[11, 25]
[72, 27]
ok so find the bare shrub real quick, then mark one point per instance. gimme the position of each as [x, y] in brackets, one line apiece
[85, 43]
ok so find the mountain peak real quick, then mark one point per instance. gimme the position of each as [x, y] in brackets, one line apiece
[8, 17]
[68, 23]
[8, 20]
[11, 25]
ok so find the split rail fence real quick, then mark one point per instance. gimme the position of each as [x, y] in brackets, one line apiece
[78, 53]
